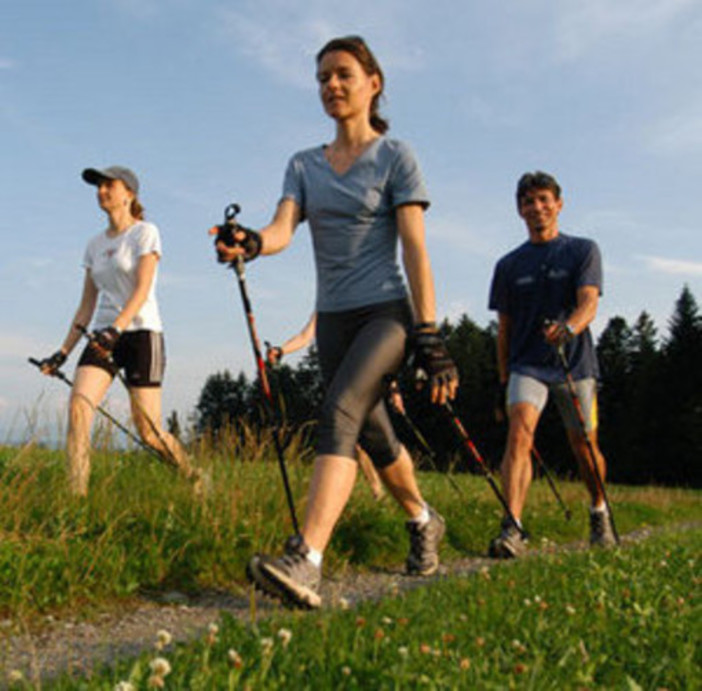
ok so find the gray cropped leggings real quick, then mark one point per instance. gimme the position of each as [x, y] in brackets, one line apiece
[357, 350]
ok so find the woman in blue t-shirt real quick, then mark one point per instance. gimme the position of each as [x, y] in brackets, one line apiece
[359, 195]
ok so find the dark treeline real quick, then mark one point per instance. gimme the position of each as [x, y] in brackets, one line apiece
[650, 401]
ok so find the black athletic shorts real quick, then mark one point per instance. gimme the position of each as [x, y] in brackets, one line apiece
[141, 354]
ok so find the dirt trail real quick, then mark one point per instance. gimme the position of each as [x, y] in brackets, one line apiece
[77, 646]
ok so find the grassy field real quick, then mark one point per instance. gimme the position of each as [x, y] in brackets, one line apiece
[618, 619]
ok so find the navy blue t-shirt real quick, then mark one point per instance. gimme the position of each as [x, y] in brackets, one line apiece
[536, 282]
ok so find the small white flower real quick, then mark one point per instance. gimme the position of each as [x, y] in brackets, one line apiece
[15, 675]
[346, 671]
[163, 638]
[125, 686]
[343, 603]
[267, 646]
[213, 629]
[285, 635]
[570, 610]
[527, 602]
[403, 650]
[386, 620]
[234, 658]
[160, 666]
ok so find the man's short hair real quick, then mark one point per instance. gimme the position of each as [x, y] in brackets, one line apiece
[538, 180]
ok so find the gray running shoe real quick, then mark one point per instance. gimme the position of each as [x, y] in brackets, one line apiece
[601, 533]
[423, 558]
[509, 544]
[293, 579]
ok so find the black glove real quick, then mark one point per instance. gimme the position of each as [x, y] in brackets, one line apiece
[52, 364]
[430, 356]
[248, 239]
[105, 340]
[274, 354]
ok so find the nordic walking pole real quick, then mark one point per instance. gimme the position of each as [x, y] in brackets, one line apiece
[60, 375]
[470, 446]
[551, 483]
[238, 266]
[168, 457]
[419, 437]
[583, 428]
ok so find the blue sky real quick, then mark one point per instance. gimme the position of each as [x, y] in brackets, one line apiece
[207, 99]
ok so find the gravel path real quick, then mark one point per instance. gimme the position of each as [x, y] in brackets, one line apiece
[55, 645]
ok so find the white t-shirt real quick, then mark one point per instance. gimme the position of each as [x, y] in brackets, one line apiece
[113, 262]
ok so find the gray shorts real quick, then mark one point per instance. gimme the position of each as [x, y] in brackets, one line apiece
[523, 389]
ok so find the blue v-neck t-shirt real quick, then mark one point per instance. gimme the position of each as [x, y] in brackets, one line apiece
[352, 220]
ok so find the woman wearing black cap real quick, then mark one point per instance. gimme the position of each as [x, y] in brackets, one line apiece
[119, 299]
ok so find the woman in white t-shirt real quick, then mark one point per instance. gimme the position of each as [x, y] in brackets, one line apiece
[119, 299]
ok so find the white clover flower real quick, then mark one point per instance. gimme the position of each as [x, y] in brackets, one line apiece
[267, 646]
[346, 671]
[125, 686]
[570, 610]
[403, 651]
[343, 603]
[527, 602]
[213, 629]
[160, 666]
[163, 638]
[234, 658]
[285, 635]
[386, 620]
[537, 598]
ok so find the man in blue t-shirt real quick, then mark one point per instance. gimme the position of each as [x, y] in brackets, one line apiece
[546, 293]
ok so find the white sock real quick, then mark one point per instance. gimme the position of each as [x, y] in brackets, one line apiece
[315, 556]
[422, 518]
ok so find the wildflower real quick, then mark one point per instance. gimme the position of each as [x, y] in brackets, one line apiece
[15, 676]
[527, 602]
[543, 606]
[156, 682]
[212, 631]
[125, 686]
[346, 671]
[448, 637]
[343, 603]
[234, 659]
[519, 668]
[160, 666]
[285, 635]
[518, 646]
[266, 646]
[425, 649]
[163, 638]
[379, 634]
[570, 610]
[403, 621]
[386, 620]
[480, 642]
[360, 622]
[485, 573]
[403, 651]
[464, 663]
[537, 598]
[463, 617]
[663, 563]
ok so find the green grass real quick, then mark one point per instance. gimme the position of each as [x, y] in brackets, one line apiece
[619, 619]
[142, 528]
[633, 622]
